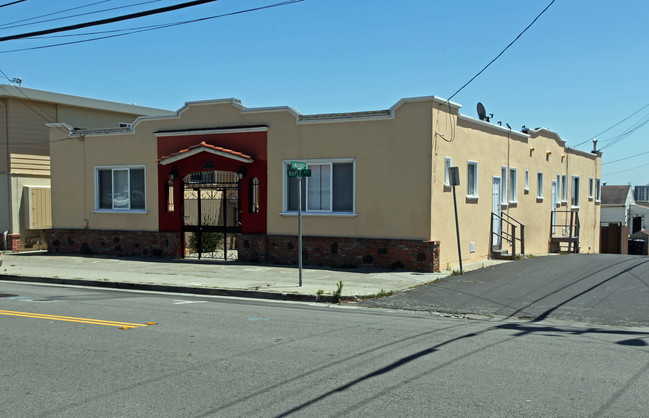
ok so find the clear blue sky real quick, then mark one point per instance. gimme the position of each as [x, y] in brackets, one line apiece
[581, 68]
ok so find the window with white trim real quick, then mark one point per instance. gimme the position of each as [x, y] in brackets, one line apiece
[447, 172]
[120, 188]
[564, 189]
[513, 195]
[503, 185]
[330, 189]
[472, 179]
[539, 185]
[527, 179]
[574, 198]
[591, 185]
[598, 189]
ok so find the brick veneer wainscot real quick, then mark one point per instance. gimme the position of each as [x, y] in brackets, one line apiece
[342, 252]
[13, 243]
[109, 242]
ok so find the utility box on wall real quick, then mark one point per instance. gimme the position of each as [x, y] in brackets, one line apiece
[36, 207]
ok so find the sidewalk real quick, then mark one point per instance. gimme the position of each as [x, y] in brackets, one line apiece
[212, 277]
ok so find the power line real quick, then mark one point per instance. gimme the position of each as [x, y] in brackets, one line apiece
[5, 26]
[108, 20]
[625, 158]
[53, 13]
[627, 133]
[613, 126]
[13, 2]
[501, 52]
[150, 28]
[624, 171]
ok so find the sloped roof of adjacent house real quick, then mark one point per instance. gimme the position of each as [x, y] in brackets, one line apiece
[24, 93]
[615, 195]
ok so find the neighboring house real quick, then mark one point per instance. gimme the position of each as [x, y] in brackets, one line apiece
[641, 194]
[25, 154]
[616, 203]
[379, 192]
[621, 216]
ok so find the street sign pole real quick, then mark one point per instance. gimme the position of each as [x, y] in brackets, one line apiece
[298, 170]
[454, 177]
[299, 225]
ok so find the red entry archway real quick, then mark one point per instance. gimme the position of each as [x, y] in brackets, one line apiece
[240, 150]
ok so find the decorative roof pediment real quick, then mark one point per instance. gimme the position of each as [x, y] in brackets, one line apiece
[207, 148]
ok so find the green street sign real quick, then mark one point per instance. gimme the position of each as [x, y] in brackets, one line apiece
[299, 173]
[298, 165]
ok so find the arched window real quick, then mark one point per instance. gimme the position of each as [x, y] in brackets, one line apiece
[253, 196]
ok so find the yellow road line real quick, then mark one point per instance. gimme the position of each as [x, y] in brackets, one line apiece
[73, 319]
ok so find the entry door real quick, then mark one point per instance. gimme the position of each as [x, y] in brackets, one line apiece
[555, 203]
[496, 240]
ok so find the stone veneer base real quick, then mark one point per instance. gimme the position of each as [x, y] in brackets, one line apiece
[342, 252]
[110, 242]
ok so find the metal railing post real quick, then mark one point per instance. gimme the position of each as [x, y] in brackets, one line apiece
[513, 242]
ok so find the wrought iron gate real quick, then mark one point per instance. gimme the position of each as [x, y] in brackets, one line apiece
[211, 226]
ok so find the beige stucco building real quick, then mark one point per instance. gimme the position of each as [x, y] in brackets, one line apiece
[379, 193]
[25, 154]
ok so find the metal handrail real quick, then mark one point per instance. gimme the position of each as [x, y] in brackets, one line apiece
[511, 238]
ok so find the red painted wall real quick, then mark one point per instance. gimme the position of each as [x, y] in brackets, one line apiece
[250, 143]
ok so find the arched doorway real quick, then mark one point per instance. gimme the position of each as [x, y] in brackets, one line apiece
[211, 215]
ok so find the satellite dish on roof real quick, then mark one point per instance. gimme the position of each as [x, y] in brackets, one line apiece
[482, 113]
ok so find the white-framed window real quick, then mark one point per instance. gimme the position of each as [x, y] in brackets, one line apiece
[564, 189]
[574, 196]
[329, 190]
[513, 195]
[447, 171]
[527, 180]
[120, 188]
[539, 185]
[503, 185]
[558, 189]
[591, 186]
[472, 179]
[598, 189]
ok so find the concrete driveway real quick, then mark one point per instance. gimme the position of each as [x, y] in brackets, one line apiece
[605, 289]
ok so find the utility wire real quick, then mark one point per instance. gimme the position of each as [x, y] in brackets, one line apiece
[5, 26]
[625, 158]
[624, 171]
[616, 139]
[502, 52]
[613, 126]
[153, 27]
[13, 2]
[53, 13]
[106, 21]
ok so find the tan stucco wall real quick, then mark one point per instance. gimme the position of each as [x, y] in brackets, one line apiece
[73, 181]
[494, 147]
[399, 163]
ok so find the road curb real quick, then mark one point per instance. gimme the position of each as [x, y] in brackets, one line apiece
[210, 291]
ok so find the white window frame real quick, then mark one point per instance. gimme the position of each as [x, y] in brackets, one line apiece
[504, 192]
[286, 165]
[527, 180]
[598, 190]
[119, 168]
[564, 189]
[539, 185]
[591, 185]
[447, 175]
[575, 192]
[513, 180]
[476, 195]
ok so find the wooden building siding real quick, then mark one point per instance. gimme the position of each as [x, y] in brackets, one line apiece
[27, 164]
[26, 127]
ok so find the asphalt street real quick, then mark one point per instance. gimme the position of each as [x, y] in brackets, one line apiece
[76, 351]
[604, 289]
